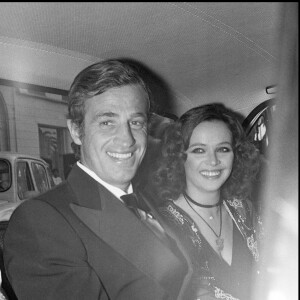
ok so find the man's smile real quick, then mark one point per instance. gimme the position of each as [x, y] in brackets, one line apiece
[120, 156]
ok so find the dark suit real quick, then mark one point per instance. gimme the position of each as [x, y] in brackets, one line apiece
[79, 241]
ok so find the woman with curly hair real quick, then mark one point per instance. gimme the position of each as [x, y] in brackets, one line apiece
[204, 178]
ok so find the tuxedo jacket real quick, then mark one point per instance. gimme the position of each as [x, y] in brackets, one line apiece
[78, 241]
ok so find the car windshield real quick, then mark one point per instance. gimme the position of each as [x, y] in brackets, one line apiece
[5, 175]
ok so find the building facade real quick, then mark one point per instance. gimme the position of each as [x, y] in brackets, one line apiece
[33, 121]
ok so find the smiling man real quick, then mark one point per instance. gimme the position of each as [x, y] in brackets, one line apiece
[113, 138]
[82, 240]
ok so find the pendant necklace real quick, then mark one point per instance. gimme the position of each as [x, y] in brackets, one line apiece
[219, 240]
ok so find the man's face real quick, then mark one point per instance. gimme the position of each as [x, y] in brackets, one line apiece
[114, 140]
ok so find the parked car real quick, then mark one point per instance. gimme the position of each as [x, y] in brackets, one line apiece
[22, 177]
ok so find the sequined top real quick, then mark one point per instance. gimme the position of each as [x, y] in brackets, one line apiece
[211, 274]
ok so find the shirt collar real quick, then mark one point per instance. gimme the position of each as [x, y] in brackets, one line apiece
[113, 189]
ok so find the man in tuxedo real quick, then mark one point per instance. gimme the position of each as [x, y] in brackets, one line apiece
[84, 239]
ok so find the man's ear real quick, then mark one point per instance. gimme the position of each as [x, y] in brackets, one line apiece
[74, 131]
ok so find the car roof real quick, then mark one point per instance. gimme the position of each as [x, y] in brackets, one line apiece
[15, 155]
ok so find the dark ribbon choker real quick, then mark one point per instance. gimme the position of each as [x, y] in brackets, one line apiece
[201, 205]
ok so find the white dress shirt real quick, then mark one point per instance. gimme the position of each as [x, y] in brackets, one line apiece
[113, 189]
[118, 193]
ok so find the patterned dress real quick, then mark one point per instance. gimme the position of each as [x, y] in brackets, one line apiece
[212, 277]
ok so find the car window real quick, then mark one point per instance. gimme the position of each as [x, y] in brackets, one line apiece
[5, 175]
[52, 184]
[24, 180]
[258, 125]
[40, 177]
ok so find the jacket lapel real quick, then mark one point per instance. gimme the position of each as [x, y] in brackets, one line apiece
[85, 188]
[118, 227]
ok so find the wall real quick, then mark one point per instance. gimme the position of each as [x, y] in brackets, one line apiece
[25, 113]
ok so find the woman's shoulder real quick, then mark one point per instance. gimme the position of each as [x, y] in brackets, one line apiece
[240, 208]
[240, 203]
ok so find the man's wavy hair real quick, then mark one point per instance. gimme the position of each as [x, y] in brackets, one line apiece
[97, 79]
[169, 175]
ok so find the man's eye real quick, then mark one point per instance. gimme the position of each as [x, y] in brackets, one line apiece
[137, 124]
[105, 123]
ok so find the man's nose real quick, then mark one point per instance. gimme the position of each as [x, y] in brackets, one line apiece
[124, 136]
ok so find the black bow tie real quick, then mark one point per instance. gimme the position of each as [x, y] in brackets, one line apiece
[132, 202]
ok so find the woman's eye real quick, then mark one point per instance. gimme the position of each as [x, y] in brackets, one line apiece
[197, 150]
[224, 149]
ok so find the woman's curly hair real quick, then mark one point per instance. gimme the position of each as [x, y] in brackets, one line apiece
[169, 175]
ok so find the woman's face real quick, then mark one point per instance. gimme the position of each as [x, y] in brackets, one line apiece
[209, 157]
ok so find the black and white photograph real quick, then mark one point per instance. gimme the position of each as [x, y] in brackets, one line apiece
[149, 150]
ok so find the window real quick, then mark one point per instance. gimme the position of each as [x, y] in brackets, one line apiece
[258, 124]
[5, 175]
[40, 177]
[52, 184]
[24, 180]
[55, 142]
